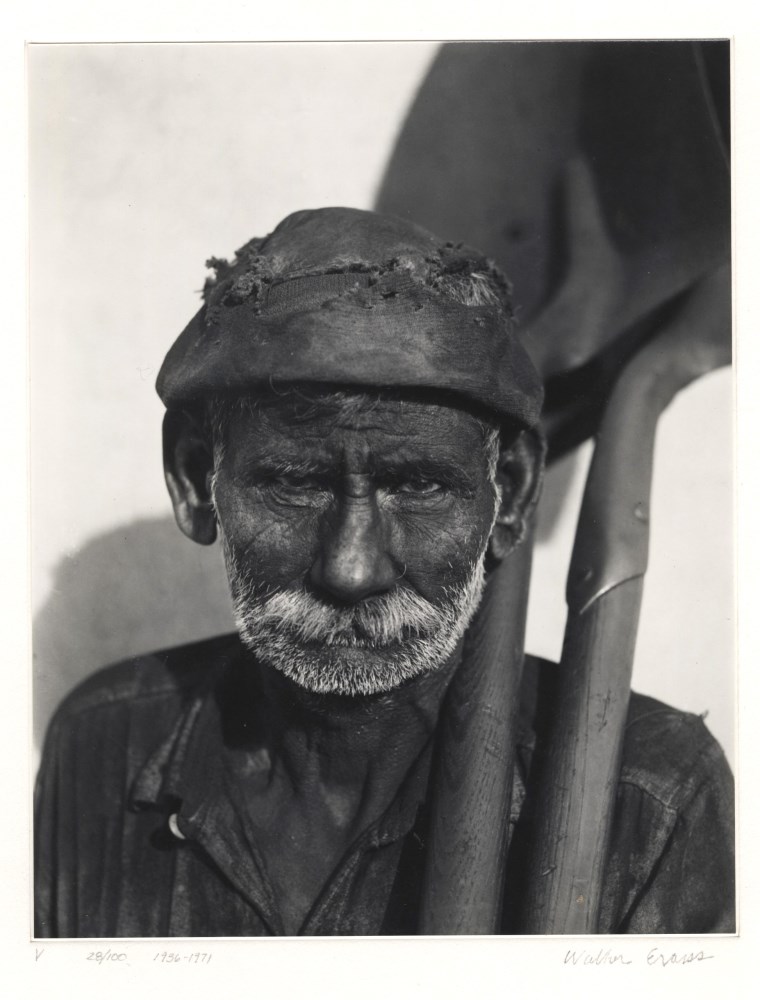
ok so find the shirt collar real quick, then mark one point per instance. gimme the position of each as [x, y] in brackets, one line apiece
[193, 764]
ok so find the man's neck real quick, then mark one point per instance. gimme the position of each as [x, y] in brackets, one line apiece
[351, 752]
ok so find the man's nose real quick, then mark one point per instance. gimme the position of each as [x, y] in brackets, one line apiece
[353, 562]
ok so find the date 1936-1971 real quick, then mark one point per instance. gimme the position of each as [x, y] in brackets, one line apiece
[192, 958]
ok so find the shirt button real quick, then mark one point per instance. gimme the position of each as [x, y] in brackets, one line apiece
[175, 828]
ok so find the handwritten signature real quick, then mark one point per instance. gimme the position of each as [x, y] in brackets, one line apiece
[604, 956]
[655, 957]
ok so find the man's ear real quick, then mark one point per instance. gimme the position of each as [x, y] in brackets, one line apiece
[519, 475]
[188, 468]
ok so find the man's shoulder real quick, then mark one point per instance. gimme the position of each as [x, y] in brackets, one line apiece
[669, 753]
[171, 675]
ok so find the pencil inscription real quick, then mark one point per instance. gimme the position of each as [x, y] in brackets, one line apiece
[603, 956]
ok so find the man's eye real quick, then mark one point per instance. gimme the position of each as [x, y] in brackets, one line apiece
[297, 483]
[419, 487]
[297, 491]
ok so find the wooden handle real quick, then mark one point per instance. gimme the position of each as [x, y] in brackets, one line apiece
[579, 765]
[472, 778]
[578, 772]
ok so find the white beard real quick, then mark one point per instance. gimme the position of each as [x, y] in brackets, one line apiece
[368, 649]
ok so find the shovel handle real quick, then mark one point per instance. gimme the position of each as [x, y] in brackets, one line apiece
[472, 775]
[580, 763]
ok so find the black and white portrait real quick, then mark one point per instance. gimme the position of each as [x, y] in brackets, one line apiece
[382, 489]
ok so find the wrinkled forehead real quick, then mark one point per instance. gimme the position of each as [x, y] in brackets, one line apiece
[383, 420]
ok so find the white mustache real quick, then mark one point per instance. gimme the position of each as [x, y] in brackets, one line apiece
[378, 622]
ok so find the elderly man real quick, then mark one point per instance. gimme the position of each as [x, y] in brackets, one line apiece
[351, 414]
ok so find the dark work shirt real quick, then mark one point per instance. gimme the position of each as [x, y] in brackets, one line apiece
[142, 828]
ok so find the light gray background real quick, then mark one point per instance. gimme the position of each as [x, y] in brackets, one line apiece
[144, 161]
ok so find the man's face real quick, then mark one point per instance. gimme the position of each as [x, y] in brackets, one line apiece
[354, 536]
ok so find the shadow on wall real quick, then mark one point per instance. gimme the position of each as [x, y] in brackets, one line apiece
[135, 589]
[145, 586]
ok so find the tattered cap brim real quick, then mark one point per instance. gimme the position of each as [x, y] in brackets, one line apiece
[351, 298]
[460, 349]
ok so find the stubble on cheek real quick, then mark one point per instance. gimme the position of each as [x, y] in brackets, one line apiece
[439, 552]
[272, 550]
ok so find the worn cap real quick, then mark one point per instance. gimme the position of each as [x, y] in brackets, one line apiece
[353, 298]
